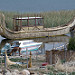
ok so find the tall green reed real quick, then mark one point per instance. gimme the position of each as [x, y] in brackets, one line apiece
[51, 19]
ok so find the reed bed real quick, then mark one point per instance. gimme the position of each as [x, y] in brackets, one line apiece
[51, 19]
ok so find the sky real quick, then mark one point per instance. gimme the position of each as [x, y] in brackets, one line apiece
[36, 5]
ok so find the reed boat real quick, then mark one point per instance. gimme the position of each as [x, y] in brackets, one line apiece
[23, 29]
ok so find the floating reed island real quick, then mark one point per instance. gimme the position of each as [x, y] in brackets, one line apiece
[31, 27]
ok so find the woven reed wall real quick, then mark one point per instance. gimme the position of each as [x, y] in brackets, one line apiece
[63, 55]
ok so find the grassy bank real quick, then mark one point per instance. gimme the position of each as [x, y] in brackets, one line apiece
[36, 66]
[51, 19]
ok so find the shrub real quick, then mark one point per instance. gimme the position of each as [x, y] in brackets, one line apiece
[71, 45]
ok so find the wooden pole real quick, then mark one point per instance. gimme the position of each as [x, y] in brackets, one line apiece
[50, 57]
[28, 22]
[2, 62]
[43, 22]
[35, 21]
[13, 23]
[30, 60]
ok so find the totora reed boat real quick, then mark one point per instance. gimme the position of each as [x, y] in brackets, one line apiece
[31, 27]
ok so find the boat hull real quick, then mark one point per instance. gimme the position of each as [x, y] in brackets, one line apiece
[30, 48]
[35, 34]
[27, 49]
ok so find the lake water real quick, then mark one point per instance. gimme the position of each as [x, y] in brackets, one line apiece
[48, 42]
[36, 5]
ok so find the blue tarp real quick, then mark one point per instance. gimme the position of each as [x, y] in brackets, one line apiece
[6, 47]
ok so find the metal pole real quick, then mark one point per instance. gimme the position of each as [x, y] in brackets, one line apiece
[5, 64]
[27, 56]
[36, 54]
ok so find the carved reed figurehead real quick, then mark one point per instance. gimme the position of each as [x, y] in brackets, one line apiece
[2, 23]
[2, 19]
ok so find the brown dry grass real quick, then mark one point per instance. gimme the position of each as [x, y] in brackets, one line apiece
[64, 67]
